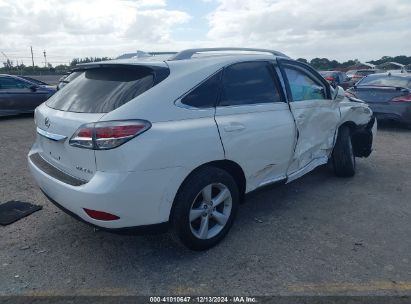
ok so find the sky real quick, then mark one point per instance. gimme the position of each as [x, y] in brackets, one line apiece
[66, 29]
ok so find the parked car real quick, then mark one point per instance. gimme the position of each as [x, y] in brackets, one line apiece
[336, 78]
[355, 75]
[38, 82]
[63, 81]
[18, 95]
[388, 95]
[176, 144]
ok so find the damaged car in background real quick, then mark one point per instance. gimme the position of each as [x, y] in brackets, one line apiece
[387, 94]
[175, 144]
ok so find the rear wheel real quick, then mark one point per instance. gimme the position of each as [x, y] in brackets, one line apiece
[205, 207]
[343, 158]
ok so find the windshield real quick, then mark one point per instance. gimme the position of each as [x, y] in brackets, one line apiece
[101, 90]
[71, 76]
[386, 81]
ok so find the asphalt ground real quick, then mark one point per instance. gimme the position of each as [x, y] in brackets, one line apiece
[319, 235]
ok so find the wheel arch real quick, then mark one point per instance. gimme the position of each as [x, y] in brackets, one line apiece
[361, 137]
[229, 166]
[350, 124]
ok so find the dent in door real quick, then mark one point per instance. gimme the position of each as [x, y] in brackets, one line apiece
[316, 126]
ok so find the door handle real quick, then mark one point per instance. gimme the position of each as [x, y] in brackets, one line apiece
[234, 126]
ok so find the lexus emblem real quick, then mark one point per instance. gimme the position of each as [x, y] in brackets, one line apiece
[47, 122]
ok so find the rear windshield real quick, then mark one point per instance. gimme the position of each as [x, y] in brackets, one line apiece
[328, 74]
[386, 81]
[102, 89]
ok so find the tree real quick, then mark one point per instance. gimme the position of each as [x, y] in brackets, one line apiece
[302, 60]
[8, 64]
[76, 61]
[320, 63]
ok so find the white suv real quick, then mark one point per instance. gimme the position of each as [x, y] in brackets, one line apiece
[177, 143]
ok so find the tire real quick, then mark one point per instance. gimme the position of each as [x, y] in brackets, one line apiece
[343, 158]
[193, 198]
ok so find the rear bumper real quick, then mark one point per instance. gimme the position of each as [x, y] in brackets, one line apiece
[141, 198]
[397, 112]
[393, 117]
[143, 229]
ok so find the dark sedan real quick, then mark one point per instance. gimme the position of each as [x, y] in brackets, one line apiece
[389, 95]
[19, 95]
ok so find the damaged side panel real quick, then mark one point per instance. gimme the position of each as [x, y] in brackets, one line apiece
[316, 122]
[356, 112]
[363, 126]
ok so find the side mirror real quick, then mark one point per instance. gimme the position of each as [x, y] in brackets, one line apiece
[33, 88]
[339, 94]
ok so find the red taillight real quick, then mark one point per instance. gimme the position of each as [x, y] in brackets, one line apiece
[107, 135]
[329, 78]
[85, 133]
[405, 98]
[118, 131]
[100, 215]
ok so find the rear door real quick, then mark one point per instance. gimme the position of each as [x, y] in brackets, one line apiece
[255, 124]
[316, 115]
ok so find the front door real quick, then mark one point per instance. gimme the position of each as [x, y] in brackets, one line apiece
[316, 116]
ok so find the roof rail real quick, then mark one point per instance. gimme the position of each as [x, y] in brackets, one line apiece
[162, 53]
[187, 54]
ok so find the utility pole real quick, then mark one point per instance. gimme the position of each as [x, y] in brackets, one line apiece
[32, 58]
[45, 59]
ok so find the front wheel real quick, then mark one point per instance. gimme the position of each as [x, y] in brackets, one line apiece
[343, 158]
[205, 208]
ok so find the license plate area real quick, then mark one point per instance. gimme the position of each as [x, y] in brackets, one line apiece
[74, 161]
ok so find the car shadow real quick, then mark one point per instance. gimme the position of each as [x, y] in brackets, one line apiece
[271, 200]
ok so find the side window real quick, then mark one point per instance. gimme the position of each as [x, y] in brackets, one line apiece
[11, 83]
[303, 86]
[249, 83]
[205, 95]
